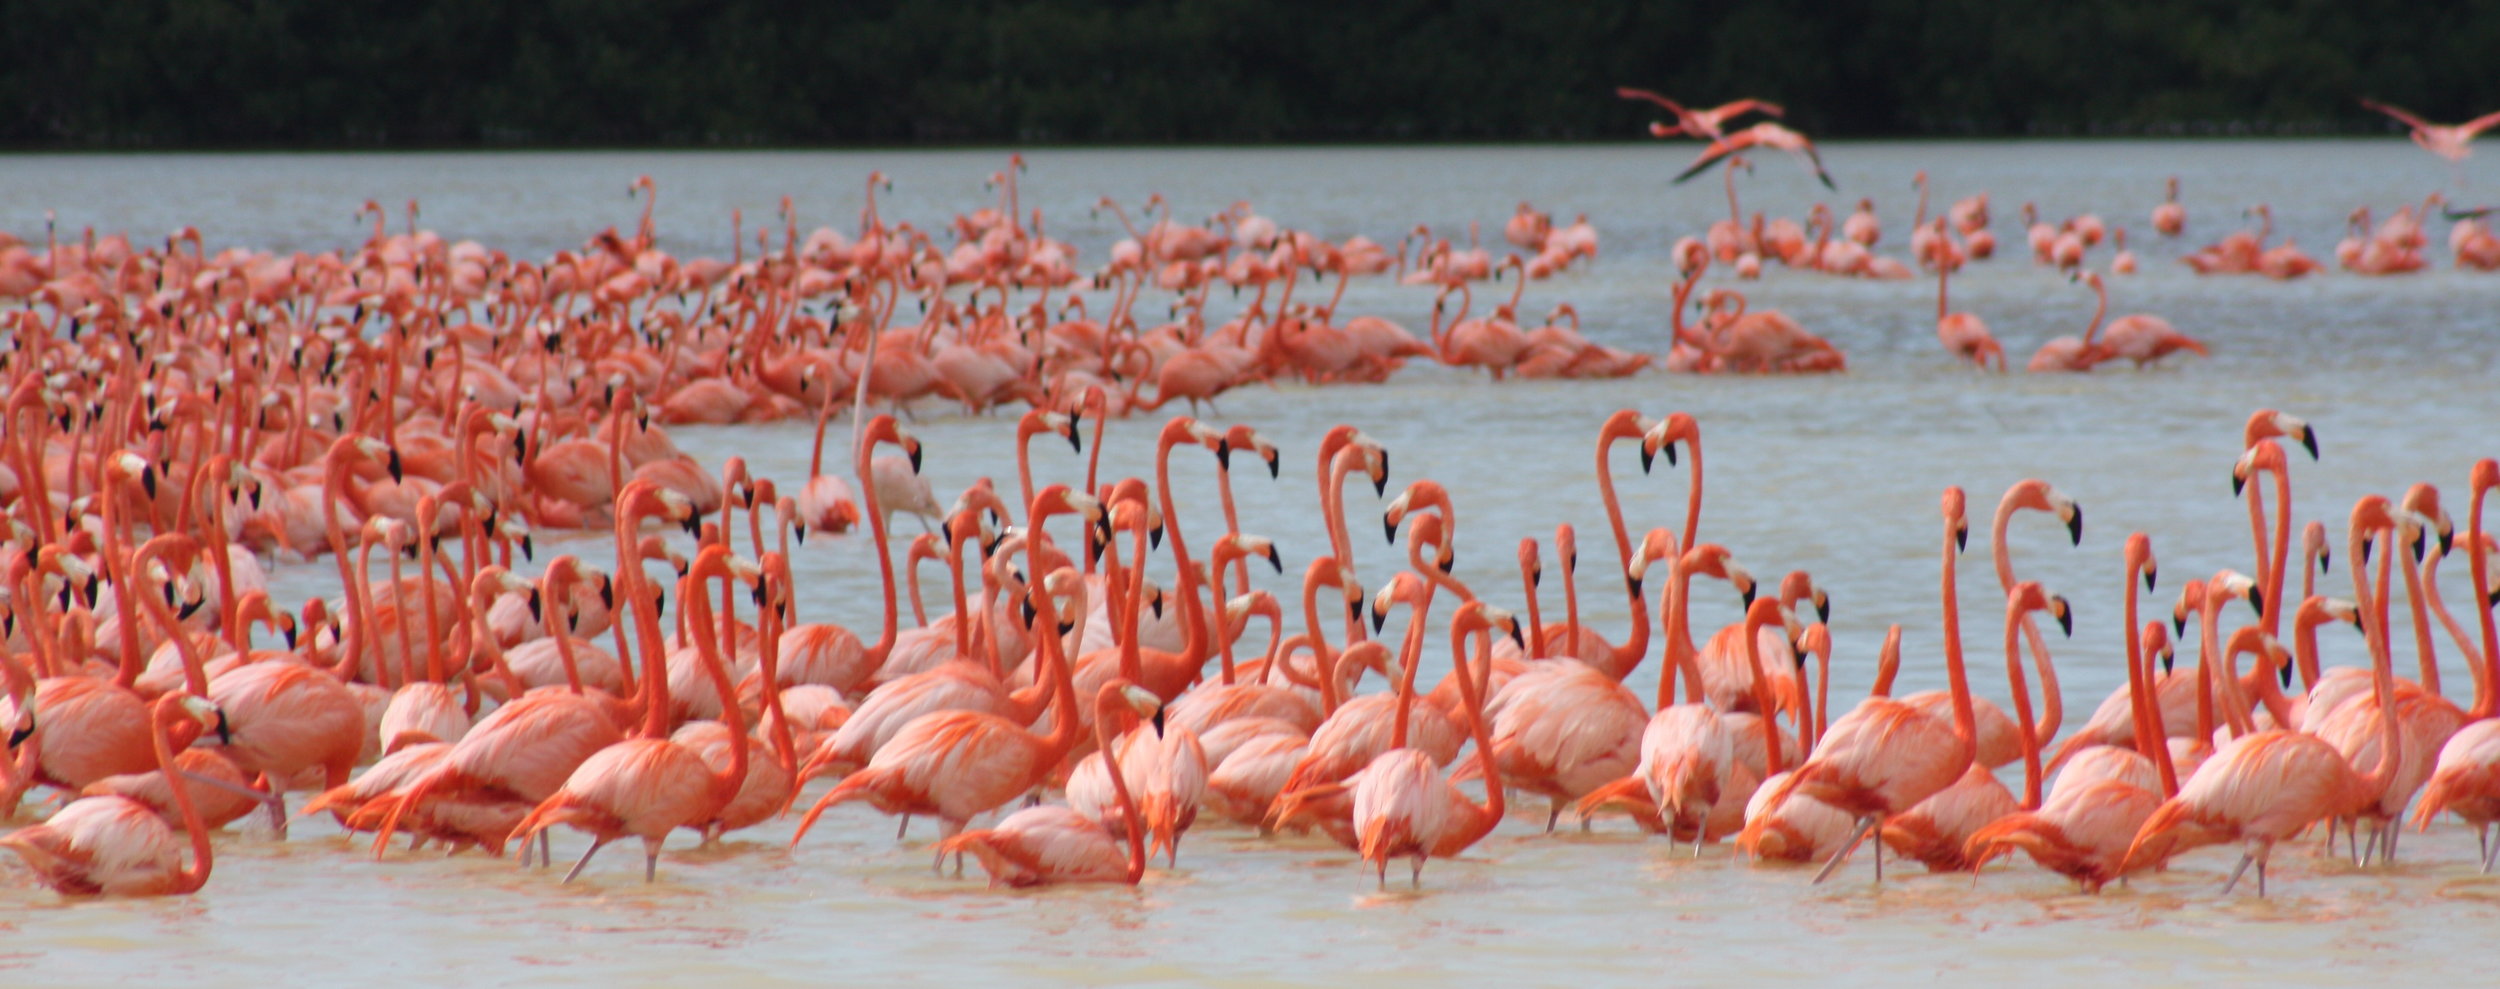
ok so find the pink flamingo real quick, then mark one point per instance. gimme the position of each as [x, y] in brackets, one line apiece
[2266, 786]
[1040, 846]
[117, 846]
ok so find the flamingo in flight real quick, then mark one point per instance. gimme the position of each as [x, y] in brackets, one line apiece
[1709, 123]
[1765, 135]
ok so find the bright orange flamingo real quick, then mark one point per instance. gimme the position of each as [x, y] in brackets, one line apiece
[116, 846]
[2267, 786]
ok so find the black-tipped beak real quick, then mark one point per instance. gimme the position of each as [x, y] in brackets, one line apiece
[1154, 538]
[527, 553]
[2419, 545]
[1224, 454]
[2150, 577]
[1158, 721]
[2257, 600]
[2447, 543]
[756, 594]
[396, 474]
[1075, 442]
[537, 607]
[1156, 605]
[607, 594]
[2168, 657]
[1646, 459]
[2178, 625]
[1276, 467]
[1801, 656]
[2066, 621]
[225, 732]
[1275, 559]
[190, 608]
[2284, 673]
[1634, 585]
[147, 480]
[1669, 450]
[2074, 526]
[2309, 441]
[289, 635]
[2326, 561]
[914, 452]
[659, 600]
[1389, 530]
[1746, 592]
[1961, 539]
[1823, 609]
[1449, 559]
[2238, 484]
[1354, 613]
[2365, 553]
[1518, 639]
[20, 735]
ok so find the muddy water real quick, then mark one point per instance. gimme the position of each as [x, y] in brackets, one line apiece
[1836, 475]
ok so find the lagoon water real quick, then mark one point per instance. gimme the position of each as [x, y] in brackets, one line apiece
[1838, 475]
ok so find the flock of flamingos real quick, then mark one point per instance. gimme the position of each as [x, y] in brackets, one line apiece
[178, 419]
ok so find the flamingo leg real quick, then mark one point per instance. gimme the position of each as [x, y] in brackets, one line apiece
[2488, 847]
[2393, 832]
[595, 845]
[1553, 814]
[1415, 872]
[651, 859]
[2245, 859]
[1865, 824]
[546, 851]
[902, 827]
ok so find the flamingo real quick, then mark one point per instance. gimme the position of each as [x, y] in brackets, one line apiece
[2451, 141]
[1767, 135]
[2263, 787]
[1051, 844]
[2170, 218]
[1963, 334]
[1885, 756]
[1402, 806]
[116, 846]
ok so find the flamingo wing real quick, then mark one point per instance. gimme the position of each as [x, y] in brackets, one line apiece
[2399, 113]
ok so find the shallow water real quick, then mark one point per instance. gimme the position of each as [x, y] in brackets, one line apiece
[1836, 475]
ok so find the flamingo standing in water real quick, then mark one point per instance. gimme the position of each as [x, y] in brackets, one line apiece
[2170, 217]
[1885, 756]
[2266, 786]
[1038, 846]
[1962, 334]
[1402, 805]
[2466, 779]
[650, 785]
[117, 846]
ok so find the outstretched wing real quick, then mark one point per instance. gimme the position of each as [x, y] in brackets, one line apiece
[1631, 93]
[2480, 124]
[2400, 114]
[1744, 106]
[1716, 151]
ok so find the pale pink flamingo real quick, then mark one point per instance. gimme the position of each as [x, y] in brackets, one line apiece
[1963, 334]
[1402, 805]
[2170, 218]
[116, 846]
[2466, 779]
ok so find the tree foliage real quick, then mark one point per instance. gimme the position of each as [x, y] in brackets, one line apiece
[179, 73]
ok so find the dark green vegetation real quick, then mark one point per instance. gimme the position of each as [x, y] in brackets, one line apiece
[160, 73]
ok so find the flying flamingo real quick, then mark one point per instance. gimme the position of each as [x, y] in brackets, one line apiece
[2451, 141]
[1768, 135]
[1699, 123]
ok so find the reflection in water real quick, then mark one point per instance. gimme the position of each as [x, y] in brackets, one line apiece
[1835, 475]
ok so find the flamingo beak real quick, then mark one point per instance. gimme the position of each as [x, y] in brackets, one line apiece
[1275, 559]
[537, 607]
[2149, 576]
[225, 731]
[2309, 441]
[1389, 529]
[23, 732]
[1822, 607]
[1276, 466]
[2065, 618]
[2074, 525]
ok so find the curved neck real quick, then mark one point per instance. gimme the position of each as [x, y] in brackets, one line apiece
[196, 875]
[1473, 695]
[1755, 620]
[2014, 622]
[1963, 732]
[2416, 598]
[2382, 672]
[885, 561]
[2487, 689]
[1107, 710]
